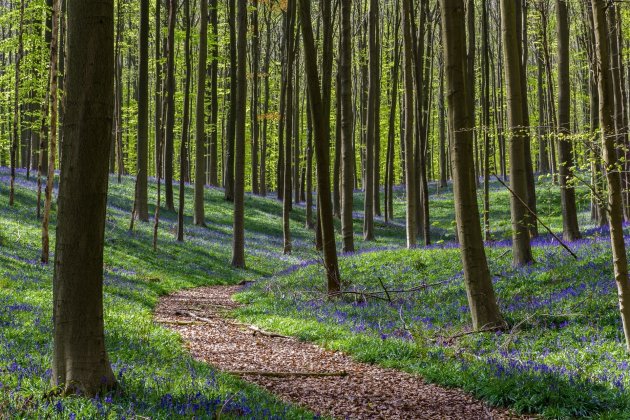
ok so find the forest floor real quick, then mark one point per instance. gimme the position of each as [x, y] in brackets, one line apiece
[324, 381]
[563, 356]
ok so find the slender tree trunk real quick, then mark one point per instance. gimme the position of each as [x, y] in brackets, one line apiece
[254, 98]
[229, 177]
[408, 123]
[521, 248]
[347, 149]
[321, 131]
[372, 122]
[185, 126]
[238, 241]
[571, 231]
[288, 125]
[169, 143]
[50, 177]
[80, 362]
[200, 128]
[16, 106]
[213, 158]
[141, 199]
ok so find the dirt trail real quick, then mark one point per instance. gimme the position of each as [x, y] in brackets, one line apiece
[359, 391]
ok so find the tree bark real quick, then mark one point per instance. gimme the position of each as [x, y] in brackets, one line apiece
[408, 123]
[571, 231]
[238, 241]
[80, 362]
[141, 199]
[347, 149]
[321, 131]
[481, 298]
[521, 248]
[611, 160]
[169, 145]
[200, 128]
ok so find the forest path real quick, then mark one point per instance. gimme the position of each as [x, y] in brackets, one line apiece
[363, 391]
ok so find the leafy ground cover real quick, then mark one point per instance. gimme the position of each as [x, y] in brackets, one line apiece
[563, 354]
[160, 380]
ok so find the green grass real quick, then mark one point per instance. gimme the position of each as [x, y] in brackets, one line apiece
[158, 378]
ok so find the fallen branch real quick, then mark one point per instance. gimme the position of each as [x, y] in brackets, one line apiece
[265, 333]
[537, 218]
[193, 316]
[169, 322]
[286, 374]
[386, 292]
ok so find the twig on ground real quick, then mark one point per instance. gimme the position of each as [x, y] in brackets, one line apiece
[286, 374]
[266, 333]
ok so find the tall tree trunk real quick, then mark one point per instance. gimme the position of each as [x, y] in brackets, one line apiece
[372, 122]
[321, 130]
[230, 134]
[288, 124]
[481, 298]
[485, 65]
[185, 126]
[141, 199]
[521, 248]
[347, 149]
[80, 362]
[158, 80]
[50, 177]
[254, 98]
[16, 106]
[169, 144]
[613, 165]
[238, 241]
[532, 222]
[408, 122]
[213, 153]
[200, 128]
[571, 231]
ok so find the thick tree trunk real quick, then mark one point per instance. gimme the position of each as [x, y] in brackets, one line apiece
[613, 165]
[481, 298]
[80, 362]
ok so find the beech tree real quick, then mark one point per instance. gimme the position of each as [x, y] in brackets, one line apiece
[481, 299]
[80, 362]
[611, 160]
[521, 248]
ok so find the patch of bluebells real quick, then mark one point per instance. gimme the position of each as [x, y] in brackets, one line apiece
[572, 338]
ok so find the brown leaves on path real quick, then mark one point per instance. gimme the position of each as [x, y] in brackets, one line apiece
[353, 390]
